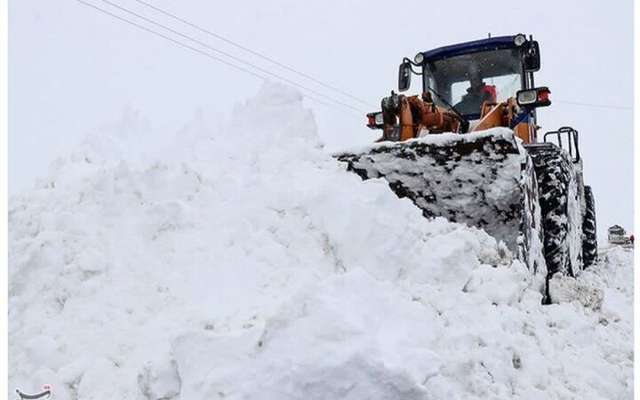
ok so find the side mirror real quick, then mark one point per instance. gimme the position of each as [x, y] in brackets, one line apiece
[404, 76]
[531, 57]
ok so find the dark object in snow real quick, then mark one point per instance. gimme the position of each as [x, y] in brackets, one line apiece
[45, 394]
[617, 235]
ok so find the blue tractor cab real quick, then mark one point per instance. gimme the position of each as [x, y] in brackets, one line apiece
[466, 74]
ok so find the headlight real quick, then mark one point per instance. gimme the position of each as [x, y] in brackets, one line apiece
[519, 39]
[531, 98]
[375, 120]
[419, 58]
[526, 97]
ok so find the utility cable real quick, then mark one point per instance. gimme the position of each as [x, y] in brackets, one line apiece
[282, 65]
[231, 56]
[199, 51]
[255, 53]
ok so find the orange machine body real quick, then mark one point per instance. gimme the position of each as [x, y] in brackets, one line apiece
[416, 116]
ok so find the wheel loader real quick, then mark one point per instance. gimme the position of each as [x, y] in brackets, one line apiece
[468, 148]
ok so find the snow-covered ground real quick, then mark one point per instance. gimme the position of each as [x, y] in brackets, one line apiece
[247, 264]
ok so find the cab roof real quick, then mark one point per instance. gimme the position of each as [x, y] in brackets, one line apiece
[494, 43]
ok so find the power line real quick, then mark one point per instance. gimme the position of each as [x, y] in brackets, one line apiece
[255, 53]
[170, 39]
[206, 45]
[200, 51]
[575, 103]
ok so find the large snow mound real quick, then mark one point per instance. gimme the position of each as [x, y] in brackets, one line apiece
[247, 264]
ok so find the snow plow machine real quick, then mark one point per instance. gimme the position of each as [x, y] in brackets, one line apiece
[468, 149]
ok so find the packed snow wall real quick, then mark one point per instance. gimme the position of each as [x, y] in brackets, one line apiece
[483, 179]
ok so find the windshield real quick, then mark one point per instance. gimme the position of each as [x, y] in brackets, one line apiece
[467, 80]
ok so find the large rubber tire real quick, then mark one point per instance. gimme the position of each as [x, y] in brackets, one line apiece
[555, 174]
[589, 233]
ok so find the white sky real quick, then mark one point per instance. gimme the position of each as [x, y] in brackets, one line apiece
[72, 70]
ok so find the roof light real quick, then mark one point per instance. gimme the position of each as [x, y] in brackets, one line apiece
[419, 58]
[519, 39]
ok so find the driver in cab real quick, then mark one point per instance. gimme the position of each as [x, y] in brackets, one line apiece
[477, 93]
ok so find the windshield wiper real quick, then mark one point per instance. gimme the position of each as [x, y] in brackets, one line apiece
[464, 122]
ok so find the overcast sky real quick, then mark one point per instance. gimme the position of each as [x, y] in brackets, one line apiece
[72, 70]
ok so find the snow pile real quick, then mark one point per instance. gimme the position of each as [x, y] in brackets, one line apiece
[248, 264]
